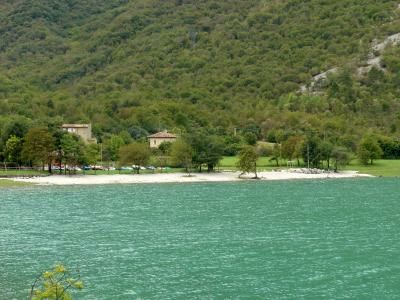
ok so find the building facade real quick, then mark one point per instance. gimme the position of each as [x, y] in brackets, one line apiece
[158, 138]
[82, 130]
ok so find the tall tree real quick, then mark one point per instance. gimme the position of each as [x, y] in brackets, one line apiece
[291, 148]
[137, 154]
[369, 150]
[112, 146]
[311, 151]
[38, 147]
[248, 160]
[181, 154]
[92, 154]
[73, 150]
[340, 157]
[13, 149]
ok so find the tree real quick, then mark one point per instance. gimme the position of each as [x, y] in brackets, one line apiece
[368, 150]
[92, 154]
[73, 150]
[340, 157]
[13, 149]
[55, 284]
[59, 153]
[162, 154]
[113, 145]
[214, 152]
[311, 151]
[17, 126]
[248, 160]
[137, 154]
[326, 149]
[207, 149]
[250, 138]
[181, 154]
[38, 146]
[276, 153]
[291, 148]
[165, 147]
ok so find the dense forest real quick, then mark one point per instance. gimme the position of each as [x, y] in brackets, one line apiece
[220, 66]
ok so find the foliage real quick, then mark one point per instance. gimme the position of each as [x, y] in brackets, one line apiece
[311, 151]
[340, 157]
[248, 160]
[182, 154]
[38, 146]
[137, 154]
[292, 147]
[208, 149]
[232, 69]
[73, 149]
[13, 149]
[55, 284]
[92, 154]
[112, 146]
[369, 150]
[141, 66]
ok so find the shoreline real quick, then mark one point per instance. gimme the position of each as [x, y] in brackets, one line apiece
[180, 178]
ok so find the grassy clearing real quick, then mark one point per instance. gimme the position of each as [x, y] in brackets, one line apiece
[386, 168]
[5, 183]
[15, 172]
[263, 163]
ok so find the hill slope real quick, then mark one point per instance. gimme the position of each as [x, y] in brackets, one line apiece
[181, 64]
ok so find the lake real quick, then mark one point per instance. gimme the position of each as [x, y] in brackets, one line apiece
[314, 239]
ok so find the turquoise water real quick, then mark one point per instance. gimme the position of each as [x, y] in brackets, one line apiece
[250, 240]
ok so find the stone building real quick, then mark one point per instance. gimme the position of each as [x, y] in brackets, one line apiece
[156, 139]
[82, 130]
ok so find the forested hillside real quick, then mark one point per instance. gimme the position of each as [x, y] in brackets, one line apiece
[144, 65]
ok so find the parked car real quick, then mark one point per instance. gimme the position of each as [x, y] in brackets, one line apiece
[97, 167]
[73, 168]
[126, 168]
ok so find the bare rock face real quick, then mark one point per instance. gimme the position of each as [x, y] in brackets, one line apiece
[374, 59]
[374, 56]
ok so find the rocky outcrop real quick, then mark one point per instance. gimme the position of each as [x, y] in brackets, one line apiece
[374, 59]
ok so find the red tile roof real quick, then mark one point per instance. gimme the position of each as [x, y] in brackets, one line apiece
[75, 126]
[163, 134]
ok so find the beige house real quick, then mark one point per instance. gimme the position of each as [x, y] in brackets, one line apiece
[83, 130]
[160, 137]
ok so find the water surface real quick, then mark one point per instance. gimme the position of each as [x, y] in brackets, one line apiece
[318, 239]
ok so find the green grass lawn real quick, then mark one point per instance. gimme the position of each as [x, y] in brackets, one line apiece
[263, 163]
[386, 168]
[5, 183]
[15, 172]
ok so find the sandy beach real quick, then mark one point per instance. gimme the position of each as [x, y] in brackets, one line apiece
[179, 177]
